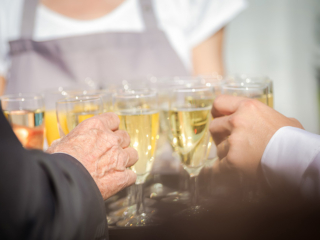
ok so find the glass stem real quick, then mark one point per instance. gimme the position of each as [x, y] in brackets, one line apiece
[194, 190]
[156, 178]
[140, 199]
[131, 195]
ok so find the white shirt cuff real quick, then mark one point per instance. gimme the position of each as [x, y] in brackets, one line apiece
[287, 155]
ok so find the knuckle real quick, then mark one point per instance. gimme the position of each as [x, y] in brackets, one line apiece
[122, 160]
[131, 177]
[126, 135]
[112, 117]
[95, 122]
[115, 139]
[230, 158]
[249, 103]
[217, 100]
[235, 121]
[112, 138]
[96, 134]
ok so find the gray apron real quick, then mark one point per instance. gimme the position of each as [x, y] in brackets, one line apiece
[98, 59]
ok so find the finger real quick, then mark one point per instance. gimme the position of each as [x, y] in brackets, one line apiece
[124, 138]
[220, 129]
[224, 165]
[52, 146]
[225, 105]
[106, 120]
[223, 149]
[115, 181]
[116, 159]
[296, 123]
[133, 156]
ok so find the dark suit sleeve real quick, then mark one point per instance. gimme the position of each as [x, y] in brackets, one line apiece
[45, 196]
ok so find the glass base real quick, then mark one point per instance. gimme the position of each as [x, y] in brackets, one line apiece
[124, 212]
[177, 197]
[140, 220]
[111, 199]
[193, 212]
[122, 202]
[157, 190]
[112, 220]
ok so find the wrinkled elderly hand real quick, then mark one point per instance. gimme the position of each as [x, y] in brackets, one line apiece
[103, 150]
[242, 129]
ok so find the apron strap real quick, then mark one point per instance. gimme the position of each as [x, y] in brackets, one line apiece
[148, 14]
[28, 18]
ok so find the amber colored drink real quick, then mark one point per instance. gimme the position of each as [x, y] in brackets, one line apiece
[28, 127]
[52, 131]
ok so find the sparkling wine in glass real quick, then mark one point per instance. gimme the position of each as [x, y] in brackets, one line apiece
[254, 80]
[258, 91]
[73, 110]
[189, 115]
[25, 113]
[139, 116]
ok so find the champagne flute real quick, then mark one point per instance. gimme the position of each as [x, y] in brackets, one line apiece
[215, 82]
[104, 94]
[139, 116]
[166, 160]
[165, 150]
[189, 115]
[73, 110]
[51, 97]
[25, 113]
[258, 91]
[246, 79]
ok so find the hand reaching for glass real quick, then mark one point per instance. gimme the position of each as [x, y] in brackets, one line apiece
[103, 150]
[241, 129]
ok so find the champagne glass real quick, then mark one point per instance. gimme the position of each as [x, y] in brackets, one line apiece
[104, 94]
[189, 115]
[258, 91]
[214, 82]
[245, 79]
[73, 110]
[51, 97]
[25, 113]
[166, 149]
[139, 116]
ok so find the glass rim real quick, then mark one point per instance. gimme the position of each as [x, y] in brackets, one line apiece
[243, 86]
[75, 99]
[244, 77]
[136, 93]
[16, 97]
[199, 88]
[63, 89]
[80, 93]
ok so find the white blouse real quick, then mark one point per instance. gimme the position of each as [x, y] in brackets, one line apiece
[291, 162]
[185, 22]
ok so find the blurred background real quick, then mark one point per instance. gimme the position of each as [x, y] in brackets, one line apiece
[280, 38]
